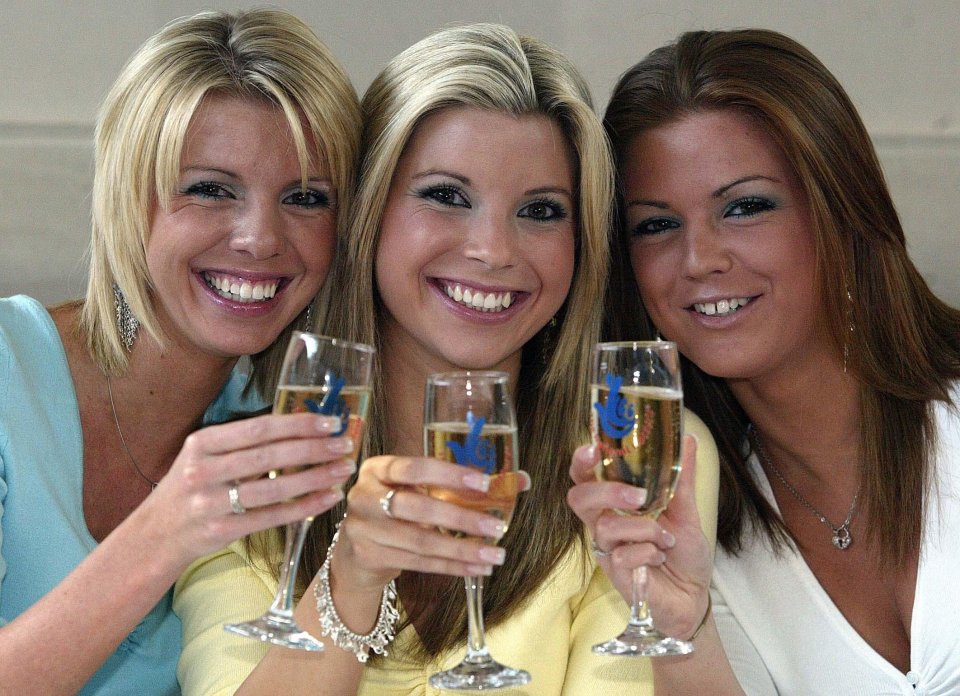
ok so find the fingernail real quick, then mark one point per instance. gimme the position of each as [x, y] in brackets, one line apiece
[474, 569]
[492, 554]
[344, 467]
[661, 558]
[669, 539]
[328, 424]
[332, 497]
[478, 482]
[492, 528]
[635, 496]
[342, 444]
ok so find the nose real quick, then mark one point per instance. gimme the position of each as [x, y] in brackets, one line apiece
[492, 241]
[258, 230]
[705, 250]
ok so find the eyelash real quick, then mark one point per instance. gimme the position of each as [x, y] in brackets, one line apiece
[448, 195]
[752, 205]
[557, 210]
[214, 191]
[653, 226]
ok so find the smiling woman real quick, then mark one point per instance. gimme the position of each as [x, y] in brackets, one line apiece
[224, 154]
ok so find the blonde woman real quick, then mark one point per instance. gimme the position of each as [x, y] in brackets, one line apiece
[225, 155]
[485, 174]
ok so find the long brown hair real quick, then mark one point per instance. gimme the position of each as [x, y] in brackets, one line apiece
[862, 267]
[490, 67]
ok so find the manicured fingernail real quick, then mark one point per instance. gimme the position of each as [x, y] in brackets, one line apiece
[332, 497]
[661, 558]
[492, 554]
[344, 467]
[478, 482]
[342, 444]
[474, 569]
[635, 496]
[492, 528]
[669, 539]
[328, 424]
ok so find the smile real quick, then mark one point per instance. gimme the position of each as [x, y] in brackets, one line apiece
[721, 308]
[479, 300]
[241, 290]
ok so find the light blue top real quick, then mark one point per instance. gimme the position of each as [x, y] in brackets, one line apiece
[43, 533]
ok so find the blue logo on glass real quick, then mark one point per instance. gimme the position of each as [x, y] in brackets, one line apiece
[617, 417]
[476, 451]
[332, 404]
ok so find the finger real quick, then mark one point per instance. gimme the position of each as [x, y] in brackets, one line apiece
[629, 556]
[424, 471]
[282, 455]
[583, 464]
[410, 546]
[270, 491]
[238, 435]
[414, 506]
[590, 499]
[613, 530]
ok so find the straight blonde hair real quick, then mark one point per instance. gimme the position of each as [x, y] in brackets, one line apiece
[490, 67]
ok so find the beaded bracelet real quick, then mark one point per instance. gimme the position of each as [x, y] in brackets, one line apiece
[703, 621]
[332, 626]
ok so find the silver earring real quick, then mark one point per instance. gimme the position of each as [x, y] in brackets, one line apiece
[127, 324]
[308, 318]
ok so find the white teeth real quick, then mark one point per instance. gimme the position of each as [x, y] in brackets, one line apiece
[242, 291]
[721, 307]
[475, 299]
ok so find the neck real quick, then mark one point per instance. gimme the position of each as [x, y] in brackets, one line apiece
[808, 419]
[405, 367]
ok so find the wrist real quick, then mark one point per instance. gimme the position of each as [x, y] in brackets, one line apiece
[703, 621]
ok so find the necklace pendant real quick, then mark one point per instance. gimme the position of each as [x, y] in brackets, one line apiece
[842, 538]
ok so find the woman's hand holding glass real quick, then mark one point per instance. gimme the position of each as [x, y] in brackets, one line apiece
[191, 505]
[673, 546]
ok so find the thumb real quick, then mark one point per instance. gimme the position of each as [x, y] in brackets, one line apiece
[683, 507]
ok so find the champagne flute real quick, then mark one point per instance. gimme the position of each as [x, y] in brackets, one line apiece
[469, 420]
[331, 377]
[636, 423]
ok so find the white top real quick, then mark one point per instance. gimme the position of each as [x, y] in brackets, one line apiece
[784, 635]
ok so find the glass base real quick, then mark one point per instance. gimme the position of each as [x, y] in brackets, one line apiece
[479, 676]
[637, 641]
[277, 630]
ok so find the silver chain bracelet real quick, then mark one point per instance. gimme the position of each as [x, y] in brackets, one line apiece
[332, 626]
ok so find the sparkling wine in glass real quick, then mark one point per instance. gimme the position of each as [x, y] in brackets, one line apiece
[469, 420]
[636, 423]
[319, 375]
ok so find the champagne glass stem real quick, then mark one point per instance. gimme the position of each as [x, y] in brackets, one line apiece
[476, 642]
[639, 610]
[296, 533]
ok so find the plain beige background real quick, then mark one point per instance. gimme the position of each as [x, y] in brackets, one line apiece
[899, 60]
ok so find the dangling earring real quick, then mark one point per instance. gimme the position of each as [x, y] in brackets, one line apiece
[308, 318]
[127, 324]
[850, 329]
[659, 337]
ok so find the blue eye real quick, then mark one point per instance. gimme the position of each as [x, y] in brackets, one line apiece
[308, 198]
[208, 189]
[749, 206]
[654, 226]
[544, 209]
[445, 195]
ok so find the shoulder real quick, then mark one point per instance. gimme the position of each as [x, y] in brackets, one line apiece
[707, 472]
[27, 336]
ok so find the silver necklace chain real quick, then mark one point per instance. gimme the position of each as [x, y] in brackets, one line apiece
[841, 534]
[136, 467]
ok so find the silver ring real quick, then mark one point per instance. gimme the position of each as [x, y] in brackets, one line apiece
[386, 501]
[234, 493]
[598, 552]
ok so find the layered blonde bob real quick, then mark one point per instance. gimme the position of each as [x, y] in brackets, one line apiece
[261, 54]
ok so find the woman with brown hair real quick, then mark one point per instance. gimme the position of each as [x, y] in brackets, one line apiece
[757, 232]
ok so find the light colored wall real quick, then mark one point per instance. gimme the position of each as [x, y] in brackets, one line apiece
[899, 60]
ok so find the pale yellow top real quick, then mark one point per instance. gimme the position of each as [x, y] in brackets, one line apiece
[550, 636]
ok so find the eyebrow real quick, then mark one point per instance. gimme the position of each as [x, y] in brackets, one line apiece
[719, 193]
[233, 175]
[465, 180]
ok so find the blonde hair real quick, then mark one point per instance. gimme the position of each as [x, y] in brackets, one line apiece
[261, 54]
[864, 276]
[490, 67]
